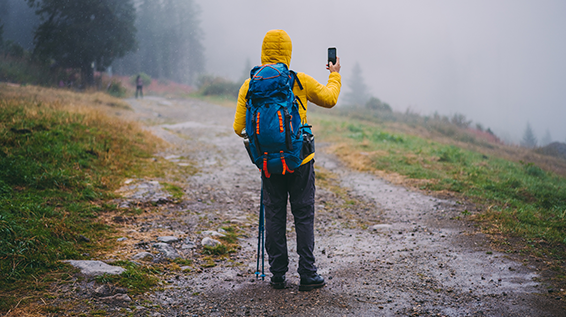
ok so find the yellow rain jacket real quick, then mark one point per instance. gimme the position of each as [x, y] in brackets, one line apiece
[277, 48]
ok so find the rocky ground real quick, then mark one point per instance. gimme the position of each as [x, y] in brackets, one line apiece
[384, 250]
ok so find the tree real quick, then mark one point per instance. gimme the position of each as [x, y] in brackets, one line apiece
[529, 139]
[358, 94]
[1, 35]
[80, 34]
[460, 121]
[247, 70]
[169, 38]
[546, 139]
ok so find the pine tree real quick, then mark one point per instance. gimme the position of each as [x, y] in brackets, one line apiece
[358, 94]
[170, 41]
[529, 138]
[247, 70]
[547, 139]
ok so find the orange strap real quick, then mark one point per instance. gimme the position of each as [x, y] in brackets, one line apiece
[280, 121]
[291, 124]
[285, 167]
[257, 124]
[265, 171]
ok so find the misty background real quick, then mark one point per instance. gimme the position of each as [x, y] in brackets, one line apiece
[499, 63]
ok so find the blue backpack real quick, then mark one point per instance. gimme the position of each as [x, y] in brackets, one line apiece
[273, 123]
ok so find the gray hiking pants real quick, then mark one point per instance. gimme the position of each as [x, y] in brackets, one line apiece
[299, 187]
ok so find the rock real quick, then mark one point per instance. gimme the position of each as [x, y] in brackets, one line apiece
[103, 290]
[95, 268]
[188, 244]
[167, 251]
[380, 226]
[168, 239]
[120, 290]
[124, 204]
[144, 256]
[118, 299]
[209, 242]
[213, 233]
[121, 239]
[186, 267]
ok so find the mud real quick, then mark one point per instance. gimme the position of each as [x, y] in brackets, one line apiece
[384, 250]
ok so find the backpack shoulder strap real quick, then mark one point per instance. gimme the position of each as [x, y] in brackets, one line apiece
[296, 79]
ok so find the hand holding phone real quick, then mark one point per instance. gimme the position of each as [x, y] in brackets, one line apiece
[333, 61]
[332, 55]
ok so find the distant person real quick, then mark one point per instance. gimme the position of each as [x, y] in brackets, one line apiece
[139, 86]
[298, 185]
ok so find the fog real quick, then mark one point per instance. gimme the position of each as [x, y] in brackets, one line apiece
[501, 63]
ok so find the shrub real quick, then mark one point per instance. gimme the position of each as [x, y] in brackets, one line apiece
[376, 104]
[217, 86]
[116, 89]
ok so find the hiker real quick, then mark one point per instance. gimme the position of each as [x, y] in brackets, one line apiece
[139, 86]
[298, 185]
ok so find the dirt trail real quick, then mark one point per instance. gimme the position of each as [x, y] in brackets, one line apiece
[384, 250]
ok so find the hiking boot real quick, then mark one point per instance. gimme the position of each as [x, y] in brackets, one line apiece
[278, 281]
[311, 282]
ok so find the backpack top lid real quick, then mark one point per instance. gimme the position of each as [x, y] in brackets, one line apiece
[270, 81]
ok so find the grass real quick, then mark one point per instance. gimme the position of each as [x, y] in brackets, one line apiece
[228, 245]
[60, 161]
[137, 279]
[519, 198]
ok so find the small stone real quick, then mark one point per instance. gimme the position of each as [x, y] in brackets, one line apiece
[144, 256]
[95, 268]
[168, 239]
[121, 239]
[186, 246]
[120, 290]
[380, 226]
[167, 251]
[212, 233]
[118, 299]
[103, 290]
[209, 242]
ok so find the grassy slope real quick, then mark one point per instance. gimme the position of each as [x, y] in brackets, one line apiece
[518, 197]
[61, 158]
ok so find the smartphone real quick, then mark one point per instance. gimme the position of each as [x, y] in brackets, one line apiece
[332, 55]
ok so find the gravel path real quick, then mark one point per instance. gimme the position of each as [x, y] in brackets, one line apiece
[384, 250]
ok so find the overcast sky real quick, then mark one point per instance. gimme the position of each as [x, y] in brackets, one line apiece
[499, 62]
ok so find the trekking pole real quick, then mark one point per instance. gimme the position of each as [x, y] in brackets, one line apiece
[261, 238]
[262, 212]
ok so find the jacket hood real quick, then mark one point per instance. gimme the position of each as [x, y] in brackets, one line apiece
[276, 48]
